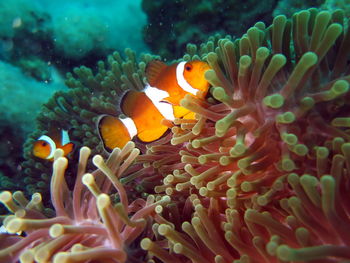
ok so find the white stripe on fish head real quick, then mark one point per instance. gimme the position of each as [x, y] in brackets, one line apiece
[52, 144]
[180, 68]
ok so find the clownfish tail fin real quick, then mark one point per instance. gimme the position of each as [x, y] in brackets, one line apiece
[68, 148]
[153, 70]
[112, 132]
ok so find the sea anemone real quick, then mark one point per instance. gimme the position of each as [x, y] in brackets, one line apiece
[87, 224]
[90, 94]
[261, 174]
[265, 165]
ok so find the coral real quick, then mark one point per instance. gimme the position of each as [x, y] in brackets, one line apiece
[75, 37]
[16, 86]
[87, 225]
[35, 68]
[81, 30]
[24, 29]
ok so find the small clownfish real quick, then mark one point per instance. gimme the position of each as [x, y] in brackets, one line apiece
[145, 110]
[45, 146]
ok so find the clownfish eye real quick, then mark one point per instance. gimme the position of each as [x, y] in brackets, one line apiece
[44, 144]
[188, 67]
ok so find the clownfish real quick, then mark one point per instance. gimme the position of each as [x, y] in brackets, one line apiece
[45, 146]
[178, 79]
[144, 110]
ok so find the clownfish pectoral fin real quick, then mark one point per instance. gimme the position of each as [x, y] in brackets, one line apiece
[154, 70]
[113, 132]
[150, 135]
[173, 100]
[181, 112]
[67, 148]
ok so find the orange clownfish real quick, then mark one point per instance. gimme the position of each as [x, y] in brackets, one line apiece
[144, 110]
[178, 79]
[45, 146]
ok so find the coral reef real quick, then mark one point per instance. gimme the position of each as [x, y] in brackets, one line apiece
[24, 28]
[66, 33]
[261, 174]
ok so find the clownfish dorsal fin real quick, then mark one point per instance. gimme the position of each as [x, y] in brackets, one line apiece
[65, 137]
[153, 71]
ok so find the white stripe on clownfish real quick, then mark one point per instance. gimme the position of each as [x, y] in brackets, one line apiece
[156, 96]
[180, 68]
[130, 126]
[51, 143]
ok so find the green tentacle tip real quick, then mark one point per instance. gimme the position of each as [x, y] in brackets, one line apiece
[274, 101]
[307, 102]
[280, 19]
[210, 75]
[279, 60]
[202, 159]
[249, 214]
[293, 179]
[285, 253]
[308, 59]
[238, 150]
[289, 138]
[327, 181]
[345, 148]
[262, 53]
[212, 57]
[224, 160]
[253, 31]
[341, 122]
[243, 163]
[286, 117]
[308, 180]
[245, 61]
[340, 87]
[324, 15]
[335, 29]
[196, 143]
[246, 187]
[221, 127]
[322, 152]
[300, 149]
[219, 93]
[288, 164]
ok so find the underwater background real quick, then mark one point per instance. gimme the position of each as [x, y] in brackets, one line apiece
[64, 63]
